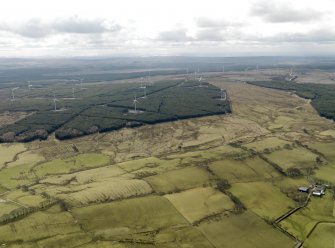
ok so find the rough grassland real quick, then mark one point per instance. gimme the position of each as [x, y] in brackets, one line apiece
[102, 191]
[80, 162]
[87, 176]
[24, 198]
[267, 143]
[26, 158]
[7, 152]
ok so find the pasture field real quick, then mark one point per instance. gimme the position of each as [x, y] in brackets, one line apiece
[175, 184]
[293, 158]
[243, 230]
[198, 203]
[262, 198]
[302, 222]
[243, 170]
[41, 225]
[146, 220]
[180, 179]
[323, 236]
[326, 148]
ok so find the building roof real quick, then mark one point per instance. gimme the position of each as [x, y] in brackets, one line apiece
[303, 188]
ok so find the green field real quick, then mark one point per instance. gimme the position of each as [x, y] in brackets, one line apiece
[199, 203]
[302, 222]
[177, 180]
[323, 236]
[293, 158]
[262, 198]
[243, 170]
[244, 230]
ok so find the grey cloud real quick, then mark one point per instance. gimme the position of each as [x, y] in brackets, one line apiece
[315, 36]
[81, 26]
[31, 29]
[35, 28]
[274, 12]
[204, 22]
[210, 34]
[177, 35]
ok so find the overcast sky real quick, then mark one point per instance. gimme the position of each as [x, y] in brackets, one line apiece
[166, 27]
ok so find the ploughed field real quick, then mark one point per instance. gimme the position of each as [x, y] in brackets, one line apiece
[71, 110]
[214, 181]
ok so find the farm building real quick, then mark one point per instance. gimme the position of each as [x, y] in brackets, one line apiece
[319, 190]
[304, 189]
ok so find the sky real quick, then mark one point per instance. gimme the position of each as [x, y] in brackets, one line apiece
[63, 28]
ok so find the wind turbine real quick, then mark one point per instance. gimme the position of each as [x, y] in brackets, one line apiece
[200, 79]
[144, 93]
[55, 102]
[142, 86]
[73, 96]
[257, 68]
[291, 72]
[29, 85]
[149, 78]
[223, 69]
[135, 104]
[13, 95]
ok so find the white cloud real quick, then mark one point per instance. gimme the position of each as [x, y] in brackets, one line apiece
[153, 27]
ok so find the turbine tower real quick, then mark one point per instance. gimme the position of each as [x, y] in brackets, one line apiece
[142, 85]
[73, 96]
[29, 85]
[200, 79]
[13, 94]
[135, 104]
[55, 102]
